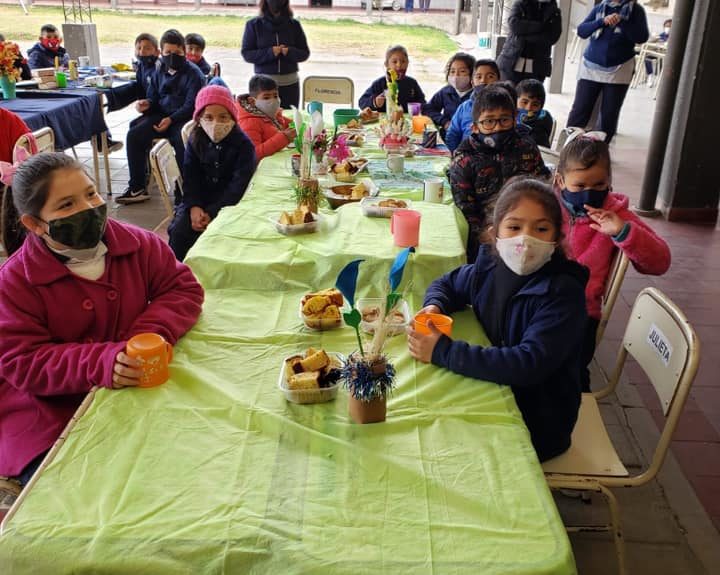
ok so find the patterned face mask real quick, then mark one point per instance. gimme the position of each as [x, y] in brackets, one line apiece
[216, 131]
[80, 231]
[524, 254]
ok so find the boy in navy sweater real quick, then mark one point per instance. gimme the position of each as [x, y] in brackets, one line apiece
[44, 52]
[195, 47]
[147, 52]
[530, 112]
[169, 105]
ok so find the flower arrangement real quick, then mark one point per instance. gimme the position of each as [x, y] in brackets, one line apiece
[339, 149]
[307, 193]
[370, 376]
[394, 134]
[9, 56]
[392, 91]
[320, 143]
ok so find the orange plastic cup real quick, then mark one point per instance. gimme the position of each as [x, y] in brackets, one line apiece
[419, 123]
[155, 354]
[442, 322]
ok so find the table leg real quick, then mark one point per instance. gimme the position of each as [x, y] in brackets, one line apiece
[106, 161]
[96, 163]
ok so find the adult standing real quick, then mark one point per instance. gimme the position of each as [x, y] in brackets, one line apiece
[614, 28]
[535, 25]
[275, 42]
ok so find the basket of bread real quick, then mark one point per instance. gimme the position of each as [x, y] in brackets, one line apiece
[347, 170]
[367, 115]
[311, 377]
[299, 221]
[383, 207]
[321, 310]
[340, 194]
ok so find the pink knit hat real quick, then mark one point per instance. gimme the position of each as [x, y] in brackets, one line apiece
[219, 95]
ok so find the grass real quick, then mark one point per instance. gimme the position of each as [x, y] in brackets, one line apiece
[343, 36]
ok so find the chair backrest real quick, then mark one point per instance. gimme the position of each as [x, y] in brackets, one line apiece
[565, 134]
[552, 132]
[166, 173]
[660, 339]
[42, 140]
[186, 129]
[329, 89]
[612, 290]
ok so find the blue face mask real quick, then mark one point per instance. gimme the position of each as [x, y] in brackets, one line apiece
[496, 141]
[577, 200]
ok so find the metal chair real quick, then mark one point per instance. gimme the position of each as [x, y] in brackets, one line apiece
[42, 140]
[661, 340]
[612, 290]
[329, 90]
[167, 174]
[186, 129]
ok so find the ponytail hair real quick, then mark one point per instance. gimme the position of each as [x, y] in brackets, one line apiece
[29, 192]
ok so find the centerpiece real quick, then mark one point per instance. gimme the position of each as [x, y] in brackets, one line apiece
[9, 68]
[368, 375]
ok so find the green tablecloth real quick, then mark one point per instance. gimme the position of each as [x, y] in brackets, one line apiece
[215, 472]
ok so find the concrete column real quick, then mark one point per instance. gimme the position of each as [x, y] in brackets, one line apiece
[560, 49]
[689, 187]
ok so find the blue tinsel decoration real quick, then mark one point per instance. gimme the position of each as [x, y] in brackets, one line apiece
[362, 383]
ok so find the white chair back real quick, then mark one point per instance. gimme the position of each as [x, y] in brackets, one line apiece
[167, 175]
[329, 90]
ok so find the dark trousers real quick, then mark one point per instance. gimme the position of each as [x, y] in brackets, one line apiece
[588, 351]
[612, 98]
[409, 5]
[517, 77]
[139, 141]
[181, 235]
[289, 95]
[30, 469]
[424, 5]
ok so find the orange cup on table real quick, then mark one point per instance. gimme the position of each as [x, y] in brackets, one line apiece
[419, 123]
[155, 354]
[442, 322]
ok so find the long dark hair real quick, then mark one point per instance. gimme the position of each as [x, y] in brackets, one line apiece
[265, 9]
[29, 192]
[520, 188]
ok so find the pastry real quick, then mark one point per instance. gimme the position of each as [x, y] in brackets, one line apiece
[358, 191]
[305, 380]
[390, 203]
[316, 361]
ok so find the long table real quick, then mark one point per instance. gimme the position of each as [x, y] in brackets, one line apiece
[214, 472]
[75, 116]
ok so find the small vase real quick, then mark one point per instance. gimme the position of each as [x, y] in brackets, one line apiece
[373, 411]
[7, 85]
[320, 166]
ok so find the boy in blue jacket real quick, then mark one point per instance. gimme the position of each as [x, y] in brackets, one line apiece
[168, 107]
[219, 162]
[530, 300]
[486, 72]
[48, 47]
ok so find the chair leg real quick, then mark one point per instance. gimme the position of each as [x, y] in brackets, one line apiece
[616, 528]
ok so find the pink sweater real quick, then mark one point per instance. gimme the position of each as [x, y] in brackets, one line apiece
[61, 333]
[648, 253]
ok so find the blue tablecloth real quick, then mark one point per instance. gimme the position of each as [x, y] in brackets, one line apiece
[75, 116]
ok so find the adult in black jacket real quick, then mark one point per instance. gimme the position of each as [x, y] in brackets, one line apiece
[535, 25]
[275, 42]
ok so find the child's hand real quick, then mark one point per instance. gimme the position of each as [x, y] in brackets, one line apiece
[432, 308]
[421, 346]
[446, 125]
[142, 105]
[290, 134]
[379, 100]
[277, 50]
[612, 20]
[199, 219]
[284, 49]
[125, 371]
[606, 222]
[163, 125]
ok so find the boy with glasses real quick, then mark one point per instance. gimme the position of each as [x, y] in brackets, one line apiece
[482, 163]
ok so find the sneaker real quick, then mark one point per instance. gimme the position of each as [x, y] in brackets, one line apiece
[114, 146]
[130, 196]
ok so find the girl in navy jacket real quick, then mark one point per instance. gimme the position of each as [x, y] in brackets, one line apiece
[275, 42]
[530, 301]
[442, 106]
[396, 58]
[219, 163]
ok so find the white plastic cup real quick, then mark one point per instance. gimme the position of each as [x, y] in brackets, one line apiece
[83, 61]
[433, 189]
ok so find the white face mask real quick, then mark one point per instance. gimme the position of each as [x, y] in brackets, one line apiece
[460, 83]
[216, 131]
[524, 254]
[268, 107]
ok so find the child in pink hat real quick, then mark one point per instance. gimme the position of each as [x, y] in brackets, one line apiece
[219, 162]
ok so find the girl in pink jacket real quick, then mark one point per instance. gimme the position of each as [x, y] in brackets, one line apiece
[76, 288]
[597, 222]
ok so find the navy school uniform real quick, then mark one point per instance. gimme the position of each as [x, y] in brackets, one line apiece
[124, 95]
[443, 104]
[214, 176]
[538, 344]
[41, 57]
[408, 91]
